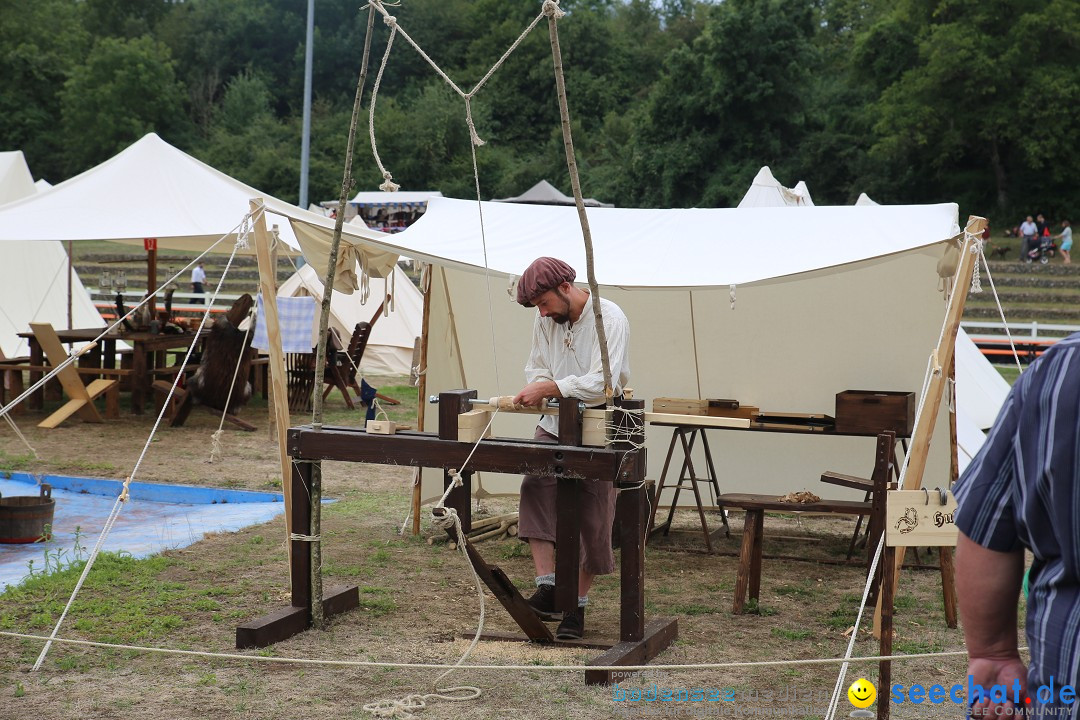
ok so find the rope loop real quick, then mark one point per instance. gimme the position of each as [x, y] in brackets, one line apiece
[476, 140]
[388, 184]
[976, 249]
[551, 9]
[390, 20]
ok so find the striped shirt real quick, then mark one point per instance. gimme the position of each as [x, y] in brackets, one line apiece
[1023, 491]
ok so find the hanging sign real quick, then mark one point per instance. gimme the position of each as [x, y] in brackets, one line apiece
[924, 518]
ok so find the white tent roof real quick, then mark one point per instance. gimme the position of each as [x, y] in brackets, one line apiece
[766, 191]
[864, 199]
[151, 189]
[544, 193]
[670, 248]
[390, 347]
[33, 276]
[405, 198]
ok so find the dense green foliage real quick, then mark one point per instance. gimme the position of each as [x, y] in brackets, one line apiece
[674, 102]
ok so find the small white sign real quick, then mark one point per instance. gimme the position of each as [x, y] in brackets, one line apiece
[920, 518]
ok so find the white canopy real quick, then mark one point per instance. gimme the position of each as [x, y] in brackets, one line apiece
[766, 191]
[390, 347]
[33, 276]
[843, 298]
[864, 199]
[544, 193]
[695, 248]
[402, 198]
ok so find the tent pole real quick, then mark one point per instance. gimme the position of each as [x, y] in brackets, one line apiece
[421, 390]
[277, 359]
[272, 397]
[71, 274]
[943, 357]
[151, 280]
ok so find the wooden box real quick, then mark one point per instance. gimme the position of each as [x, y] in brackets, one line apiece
[474, 425]
[874, 411]
[680, 406]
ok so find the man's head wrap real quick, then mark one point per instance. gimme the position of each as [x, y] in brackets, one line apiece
[545, 273]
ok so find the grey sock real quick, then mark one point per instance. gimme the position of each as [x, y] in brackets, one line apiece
[583, 601]
[548, 579]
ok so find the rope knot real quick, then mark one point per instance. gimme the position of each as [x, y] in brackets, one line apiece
[552, 10]
[445, 519]
[390, 20]
[388, 184]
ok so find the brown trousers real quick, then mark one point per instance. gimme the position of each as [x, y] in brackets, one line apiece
[537, 516]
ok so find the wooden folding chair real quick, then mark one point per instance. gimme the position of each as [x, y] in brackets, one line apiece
[342, 366]
[82, 396]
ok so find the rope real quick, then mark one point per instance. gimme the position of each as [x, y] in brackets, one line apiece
[22, 437]
[513, 668]
[837, 689]
[1001, 314]
[216, 445]
[124, 493]
[446, 520]
[388, 184]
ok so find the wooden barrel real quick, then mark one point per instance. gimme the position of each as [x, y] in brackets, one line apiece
[23, 519]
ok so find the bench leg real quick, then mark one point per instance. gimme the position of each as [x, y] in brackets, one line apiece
[747, 578]
[112, 402]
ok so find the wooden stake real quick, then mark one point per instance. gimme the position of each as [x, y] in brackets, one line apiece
[421, 387]
[924, 430]
[277, 357]
[575, 183]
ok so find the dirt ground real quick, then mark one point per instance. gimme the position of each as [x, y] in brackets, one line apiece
[417, 601]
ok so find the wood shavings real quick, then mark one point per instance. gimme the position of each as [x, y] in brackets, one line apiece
[802, 497]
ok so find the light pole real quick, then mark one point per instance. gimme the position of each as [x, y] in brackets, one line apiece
[305, 139]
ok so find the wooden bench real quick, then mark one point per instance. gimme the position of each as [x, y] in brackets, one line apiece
[755, 506]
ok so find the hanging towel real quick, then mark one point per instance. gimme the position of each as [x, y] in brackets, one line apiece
[296, 320]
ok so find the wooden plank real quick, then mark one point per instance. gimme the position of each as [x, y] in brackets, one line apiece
[424, 450]
[886, 597]
[507, 594]
[658, 635]
[918, 519]
[772, 503]
[286, 622]
[680, 406]
[268, 286]
[696, 420]
[567, 516]
[590, 643]
[746, 554]
[948, 584]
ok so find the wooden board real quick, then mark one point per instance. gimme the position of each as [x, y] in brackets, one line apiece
[917, 518]
[474, 425]
[680, 406]
[696, 420]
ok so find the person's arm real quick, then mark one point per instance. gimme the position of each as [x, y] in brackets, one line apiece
[589, 388]
[988, 589]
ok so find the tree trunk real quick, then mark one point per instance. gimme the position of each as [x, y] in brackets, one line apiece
[999, 175]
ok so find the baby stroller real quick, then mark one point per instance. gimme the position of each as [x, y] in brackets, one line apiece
[1043, 251]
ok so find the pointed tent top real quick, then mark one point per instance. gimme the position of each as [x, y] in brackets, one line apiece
[803, 194]
[15, 179]
[766, 191]
[544, 193]
[864, 199]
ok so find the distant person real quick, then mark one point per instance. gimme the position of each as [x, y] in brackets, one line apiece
[1066, 241]
[1041, 226]
[198, 280]
[1028, 232]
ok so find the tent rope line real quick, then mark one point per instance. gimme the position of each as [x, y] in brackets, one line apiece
[122, 498]
[516, 668]
[997, 300]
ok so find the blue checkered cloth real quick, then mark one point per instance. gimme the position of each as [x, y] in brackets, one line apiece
[296, 319]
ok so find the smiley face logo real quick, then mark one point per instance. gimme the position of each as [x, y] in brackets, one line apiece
[862, 693]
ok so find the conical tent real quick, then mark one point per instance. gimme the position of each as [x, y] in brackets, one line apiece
[544, 193]
[390, 348]
[766, 191]
[33, 275]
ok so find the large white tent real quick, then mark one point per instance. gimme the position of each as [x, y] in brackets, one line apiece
[390, 347]
[33, 276]
[846, 298]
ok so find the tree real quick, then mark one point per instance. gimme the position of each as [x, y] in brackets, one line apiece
[125, 89]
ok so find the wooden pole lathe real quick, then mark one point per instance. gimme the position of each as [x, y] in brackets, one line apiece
[268, 287]
[943, 357]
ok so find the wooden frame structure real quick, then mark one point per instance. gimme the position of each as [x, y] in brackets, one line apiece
[568, 461]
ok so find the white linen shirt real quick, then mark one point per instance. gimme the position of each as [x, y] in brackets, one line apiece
[198, 275]
[570, 356]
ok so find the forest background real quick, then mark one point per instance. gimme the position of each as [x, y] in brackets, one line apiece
[675, 103]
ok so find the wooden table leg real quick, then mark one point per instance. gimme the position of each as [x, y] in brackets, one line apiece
[755, 556]
[139, 377]
[948, 584]
[743, 580]
[660, 486]
[36, 401]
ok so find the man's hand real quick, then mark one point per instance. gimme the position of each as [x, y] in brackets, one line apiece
[987, 672]
[534, 394]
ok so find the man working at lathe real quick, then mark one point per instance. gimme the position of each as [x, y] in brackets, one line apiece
[565, 363]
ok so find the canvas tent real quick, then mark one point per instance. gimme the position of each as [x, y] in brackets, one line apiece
[390, 348]
[766, 191]
[33, 276]
[847, 299]
[544, 193]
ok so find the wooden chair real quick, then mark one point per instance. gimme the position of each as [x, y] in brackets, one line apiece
[81, 396]
[342, 366]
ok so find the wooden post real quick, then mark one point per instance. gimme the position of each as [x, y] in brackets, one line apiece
[943, 356]
[151, 278]
[277, 357]
[567, 514]
[70, 274]
[452, 404]
[632, 513]
[271, 396]
[421, 389]
[886, 596]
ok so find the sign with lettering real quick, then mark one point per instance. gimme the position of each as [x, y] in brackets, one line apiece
[920, 518]
[149, 244]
